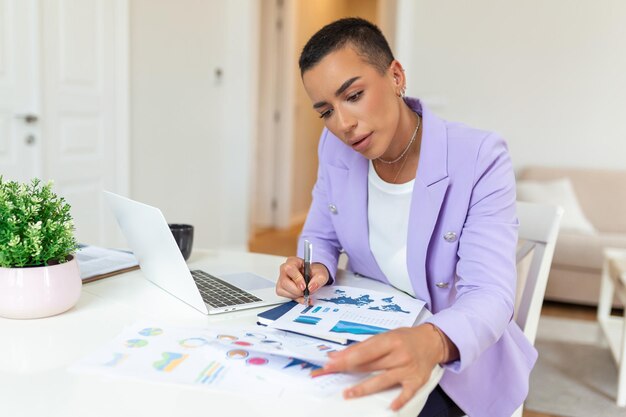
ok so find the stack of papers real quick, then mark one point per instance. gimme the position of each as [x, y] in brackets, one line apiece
[260, 359]
[95, 262]
[343, 314]
[265, 360]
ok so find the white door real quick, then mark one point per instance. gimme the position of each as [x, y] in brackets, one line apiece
[84, 107]
[64, 103]
[19, 106]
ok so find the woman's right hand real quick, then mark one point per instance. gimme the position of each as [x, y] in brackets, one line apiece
[290, 282]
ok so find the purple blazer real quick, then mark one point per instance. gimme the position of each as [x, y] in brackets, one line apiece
[461, 246]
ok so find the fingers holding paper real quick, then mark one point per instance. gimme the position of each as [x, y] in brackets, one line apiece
[291, 283]
[406, 357]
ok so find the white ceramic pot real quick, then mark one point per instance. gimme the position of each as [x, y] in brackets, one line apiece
[42, 291]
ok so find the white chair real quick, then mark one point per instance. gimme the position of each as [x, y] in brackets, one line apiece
[538, 230]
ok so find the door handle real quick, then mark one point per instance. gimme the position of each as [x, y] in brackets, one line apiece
[28, 118]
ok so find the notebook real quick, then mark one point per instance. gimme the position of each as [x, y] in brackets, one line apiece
[162, 263]
[266, 317]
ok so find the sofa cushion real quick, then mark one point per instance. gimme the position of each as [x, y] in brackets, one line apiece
[585, 251]
[601, 192]
[557, 192]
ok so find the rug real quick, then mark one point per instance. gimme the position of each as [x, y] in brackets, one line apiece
[575, 374]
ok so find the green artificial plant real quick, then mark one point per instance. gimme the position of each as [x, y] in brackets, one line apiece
[36, 226]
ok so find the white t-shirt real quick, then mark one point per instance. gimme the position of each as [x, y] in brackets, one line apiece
[388, 207]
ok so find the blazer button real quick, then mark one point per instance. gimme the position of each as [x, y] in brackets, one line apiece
[332, 208]
[450, 237]
[442, 284]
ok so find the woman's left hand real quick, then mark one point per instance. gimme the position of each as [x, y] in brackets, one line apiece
[406, 357]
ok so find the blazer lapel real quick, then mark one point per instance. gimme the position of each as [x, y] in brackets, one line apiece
[431, 184]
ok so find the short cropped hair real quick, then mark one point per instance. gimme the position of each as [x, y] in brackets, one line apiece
[367, 39]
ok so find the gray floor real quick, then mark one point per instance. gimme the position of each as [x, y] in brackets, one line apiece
[575, 374]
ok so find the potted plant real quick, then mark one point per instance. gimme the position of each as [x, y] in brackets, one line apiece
[39, 276]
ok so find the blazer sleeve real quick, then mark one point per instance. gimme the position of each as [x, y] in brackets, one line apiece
[486, 270]
[318, 227]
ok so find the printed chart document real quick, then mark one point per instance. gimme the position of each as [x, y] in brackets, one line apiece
[95, 262]
[281, 343]
[344, 314]
[229, 358]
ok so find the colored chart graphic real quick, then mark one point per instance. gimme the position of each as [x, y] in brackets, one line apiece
[306, 310]
[273, 343]
[210, 373]
[341, 298]
[257, 361]
[307, 320]
[193, 342]
[323, 348]
[316, 309]
[242, 343]
[390, 307]
[315, 370]
[136, 343]
[356, 328]
[169, 362]
[364, 301]
[117, 359]
[226, 337]
[237, 354]
[151, 331]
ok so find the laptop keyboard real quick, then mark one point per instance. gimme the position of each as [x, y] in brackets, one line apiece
[219, 293]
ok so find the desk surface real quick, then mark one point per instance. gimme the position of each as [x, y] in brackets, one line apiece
[35, 354]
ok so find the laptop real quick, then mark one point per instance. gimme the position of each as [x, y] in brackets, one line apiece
[162, 263]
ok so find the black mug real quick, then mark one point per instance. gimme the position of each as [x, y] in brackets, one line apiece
[183, 235]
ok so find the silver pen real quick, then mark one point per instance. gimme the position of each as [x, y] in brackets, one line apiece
[308, 251]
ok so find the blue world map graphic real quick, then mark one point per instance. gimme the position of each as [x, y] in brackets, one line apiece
[365, 301]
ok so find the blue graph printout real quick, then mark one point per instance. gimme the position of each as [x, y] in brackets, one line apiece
[343, 314]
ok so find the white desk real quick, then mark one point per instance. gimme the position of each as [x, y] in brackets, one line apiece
[34, 356]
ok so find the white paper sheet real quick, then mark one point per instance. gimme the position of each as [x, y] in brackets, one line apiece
[350, 313]
[222, 359]
[281, 343]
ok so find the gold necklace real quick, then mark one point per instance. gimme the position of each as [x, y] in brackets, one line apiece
[400, 170]
[395, 178]
[407, 146]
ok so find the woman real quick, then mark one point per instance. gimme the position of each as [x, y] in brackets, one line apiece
[425, 205]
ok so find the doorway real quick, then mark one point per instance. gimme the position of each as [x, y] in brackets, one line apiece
[288, 129]
[19, 88]
[64, 101]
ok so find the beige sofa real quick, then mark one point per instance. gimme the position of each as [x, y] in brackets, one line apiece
[577, 263]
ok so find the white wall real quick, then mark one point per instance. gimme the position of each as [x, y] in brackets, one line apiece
[192, 130]
[548, 75]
